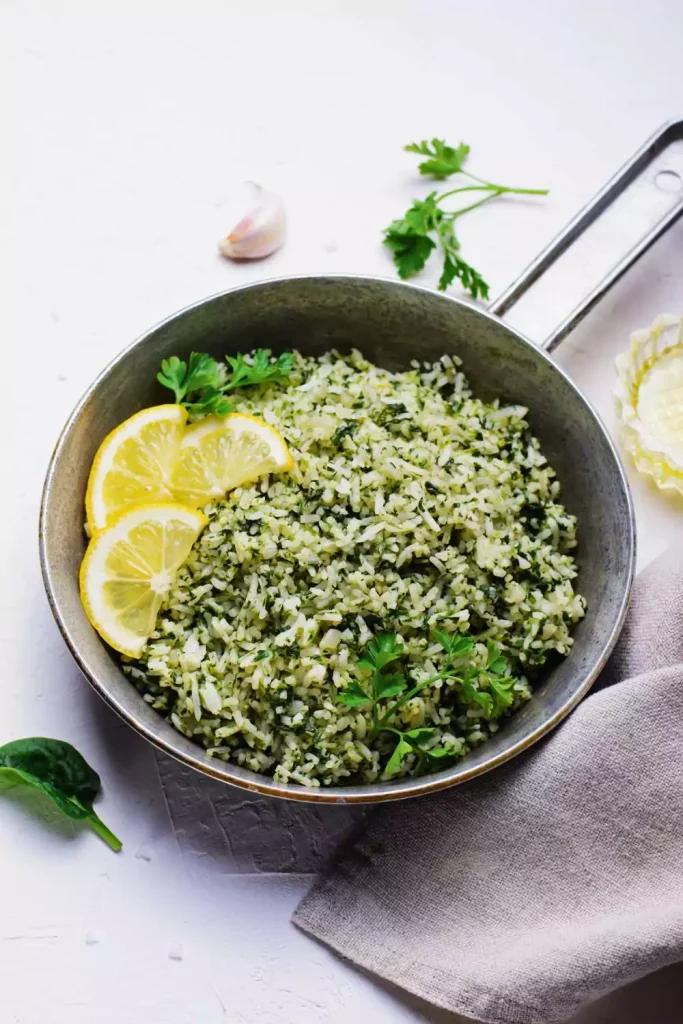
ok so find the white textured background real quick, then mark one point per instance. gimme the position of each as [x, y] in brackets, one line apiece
[124, 125]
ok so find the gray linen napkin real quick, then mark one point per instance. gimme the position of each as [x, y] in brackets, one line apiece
[534, 890]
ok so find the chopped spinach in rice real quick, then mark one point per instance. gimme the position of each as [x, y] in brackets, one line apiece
[413, 506]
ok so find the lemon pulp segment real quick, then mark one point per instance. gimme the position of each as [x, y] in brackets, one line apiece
[219, 453]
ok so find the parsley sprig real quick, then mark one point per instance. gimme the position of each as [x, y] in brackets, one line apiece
[426, 223]
[386, 690]
[201, 383]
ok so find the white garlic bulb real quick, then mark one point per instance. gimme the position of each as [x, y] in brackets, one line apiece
[261, 228]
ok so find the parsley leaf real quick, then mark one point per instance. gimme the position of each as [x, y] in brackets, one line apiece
[408, 743]
[201, 383]
[443, 160]
[200, 372]
[501, 694]
[382, 651]
[427, 223]
[354, 695]
[472, 282]
[420, 735]
[495, 661]
[409, 239]
[172, 375]
[388, 685]
[410, 250]
[487, 687]
[456, 645]
[473, 695]
[394, 763]
[421, 217]
[259, 371]
[210, 400]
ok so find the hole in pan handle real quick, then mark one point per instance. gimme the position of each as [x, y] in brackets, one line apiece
[603, 240]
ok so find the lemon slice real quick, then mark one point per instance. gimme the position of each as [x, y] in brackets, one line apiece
[134, 463]
[649, 401]
[129, 568]
[222, 452]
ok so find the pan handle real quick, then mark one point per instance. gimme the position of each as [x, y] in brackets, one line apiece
[636, 207]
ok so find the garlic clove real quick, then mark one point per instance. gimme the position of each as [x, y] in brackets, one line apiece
[260, 230]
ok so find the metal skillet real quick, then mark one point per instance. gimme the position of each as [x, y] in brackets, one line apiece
[392, 323]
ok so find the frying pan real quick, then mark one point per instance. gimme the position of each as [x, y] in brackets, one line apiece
[392, 323]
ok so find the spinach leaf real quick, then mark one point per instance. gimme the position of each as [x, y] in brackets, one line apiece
[57, 769]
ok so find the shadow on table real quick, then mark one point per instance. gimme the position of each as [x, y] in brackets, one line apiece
[247, 832]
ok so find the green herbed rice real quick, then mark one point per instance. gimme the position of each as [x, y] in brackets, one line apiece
[412, 505]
